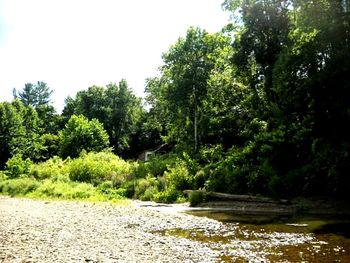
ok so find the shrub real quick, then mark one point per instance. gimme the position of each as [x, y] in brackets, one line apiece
[18, 186]
[65, 190]
[50, 146]
[195, 198]
[54, 168]
[155, 167]
[3, 176]
[142, 185]
[16, 166]
[128, 188]
[211, 154]
[178, 177]
[149, 194]
[96, 168]
[82, 134]
[170, 195]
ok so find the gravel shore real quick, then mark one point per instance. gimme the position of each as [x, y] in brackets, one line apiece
[68, 231]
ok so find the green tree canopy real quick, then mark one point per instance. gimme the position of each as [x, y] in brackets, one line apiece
[179, 93]
[34, 94]
[115, 106]
[19, 131]
[81, 134]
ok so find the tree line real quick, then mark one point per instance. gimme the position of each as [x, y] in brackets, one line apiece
[260, 107]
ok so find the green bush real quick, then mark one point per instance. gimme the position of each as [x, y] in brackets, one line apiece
[195, 198]
[211, 154]
[96, 168]
[54, 168]
[149, 194]
[128, 188]
[16, 166]
[178, 177]
[18, 186]
[65, 190]
[81, 134]
[3, 176]
[170, 195]
[155, 167]
[145, 188]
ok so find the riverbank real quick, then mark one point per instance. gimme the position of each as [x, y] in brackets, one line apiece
[69, 231]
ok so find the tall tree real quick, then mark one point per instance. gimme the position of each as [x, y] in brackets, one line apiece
[115, 106]
[180, 91]
[19, 131]
[34, 94]
[293, 55]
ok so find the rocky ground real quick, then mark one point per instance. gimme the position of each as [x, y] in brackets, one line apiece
[68, 231]
[57, 231]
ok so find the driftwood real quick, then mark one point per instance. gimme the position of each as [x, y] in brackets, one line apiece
[241, 198]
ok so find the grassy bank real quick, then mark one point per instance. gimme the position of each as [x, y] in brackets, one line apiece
[99, 176]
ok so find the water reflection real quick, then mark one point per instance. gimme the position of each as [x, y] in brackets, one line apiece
[275, 238]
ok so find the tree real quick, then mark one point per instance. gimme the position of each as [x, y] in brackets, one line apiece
[49, 119]
[19, 131]
[115, 106]
[11, 130]
[81, 134]
[179, 93]
[34, 95]
[294, 55]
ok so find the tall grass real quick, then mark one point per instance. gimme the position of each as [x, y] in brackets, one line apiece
[99, 176]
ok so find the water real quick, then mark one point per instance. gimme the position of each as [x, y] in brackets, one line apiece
[273, 238]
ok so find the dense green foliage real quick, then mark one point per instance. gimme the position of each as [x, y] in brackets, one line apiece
[115, 106]
[259, 108]
[34, 94]
[97, 176]
[81, 134]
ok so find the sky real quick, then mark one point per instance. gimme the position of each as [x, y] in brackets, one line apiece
[74, 44]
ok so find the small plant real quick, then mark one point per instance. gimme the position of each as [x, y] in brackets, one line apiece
[16, 166]
[170, 195]
[178, 177]
[195, 198]
[3, 176]
[52, 168]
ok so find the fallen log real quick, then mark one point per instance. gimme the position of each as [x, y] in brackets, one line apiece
[241, 198]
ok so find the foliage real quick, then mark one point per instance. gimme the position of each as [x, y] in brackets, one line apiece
[259, 108]
[195, 198]
[170, 195]
[96, 168]
[11, 130]
[49, 120]
[34, 94]
[178, 95]
[81, 134]
[18, 186]
[178, 177]
[156, 166]
[3, 176]
[50, 146]
[115, 106]
[64, 190]
[54, 168]
[16, 166]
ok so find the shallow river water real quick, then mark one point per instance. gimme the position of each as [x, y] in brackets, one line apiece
[274, 239]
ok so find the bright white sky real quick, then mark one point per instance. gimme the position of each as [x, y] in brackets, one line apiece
[74, 44]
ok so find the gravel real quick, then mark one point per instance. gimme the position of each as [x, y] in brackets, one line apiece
[69, 231]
